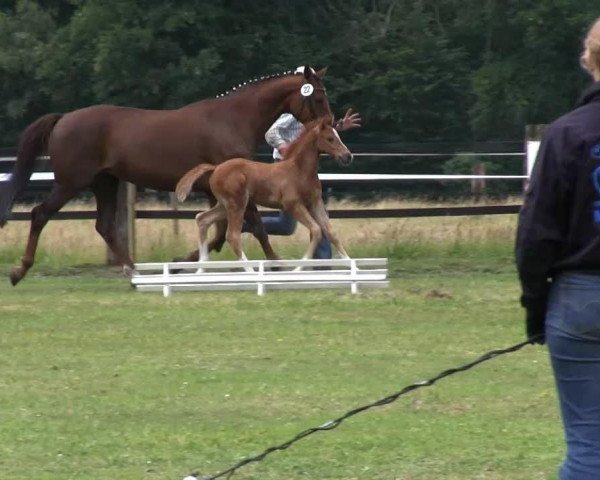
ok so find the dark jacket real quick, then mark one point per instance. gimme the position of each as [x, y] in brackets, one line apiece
[559, 223]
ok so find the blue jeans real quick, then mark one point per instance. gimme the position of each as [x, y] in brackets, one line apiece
[573, 337]
[284, 224]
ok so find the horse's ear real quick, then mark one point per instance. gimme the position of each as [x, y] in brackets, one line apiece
[307, 72]
[321, 73]
[325, 122]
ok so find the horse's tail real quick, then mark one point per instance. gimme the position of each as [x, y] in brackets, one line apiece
[31, 144]
[185, 185]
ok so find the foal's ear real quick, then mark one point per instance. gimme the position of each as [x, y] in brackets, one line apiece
[325, 121]
[321, 73]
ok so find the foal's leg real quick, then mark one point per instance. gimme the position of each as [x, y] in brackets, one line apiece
[301, 213]
[218, 241]
[258, 230]
[260, 233]
[320, 214]
[105, 188]
[39, 217]
[194, 255]
[204, 220]
[235, 220]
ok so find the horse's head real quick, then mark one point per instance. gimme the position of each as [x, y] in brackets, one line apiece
[328, 141]
[309, 99]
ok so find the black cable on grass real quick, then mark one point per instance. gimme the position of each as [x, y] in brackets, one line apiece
[331, 424]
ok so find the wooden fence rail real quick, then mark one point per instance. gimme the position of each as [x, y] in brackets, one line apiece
[128, 213]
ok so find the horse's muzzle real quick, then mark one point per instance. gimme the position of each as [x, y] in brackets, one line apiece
[345, 160]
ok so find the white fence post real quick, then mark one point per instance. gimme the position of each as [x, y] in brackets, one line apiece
[533, 138]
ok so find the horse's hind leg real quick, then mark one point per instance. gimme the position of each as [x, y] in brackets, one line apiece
[235, 220]
[256, 228]
[105, 188]
[215, 244]
[218, 241]
[40, 215]
[204, 220]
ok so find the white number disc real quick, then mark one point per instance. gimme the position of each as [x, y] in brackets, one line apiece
[307, 90]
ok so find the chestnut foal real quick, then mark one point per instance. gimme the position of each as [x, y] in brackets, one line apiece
[291, 185]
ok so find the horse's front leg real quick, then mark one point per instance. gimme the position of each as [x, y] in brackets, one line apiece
[320, 214]
[303, 215]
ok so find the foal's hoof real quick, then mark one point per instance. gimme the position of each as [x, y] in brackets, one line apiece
[182, 259]
[15, 276]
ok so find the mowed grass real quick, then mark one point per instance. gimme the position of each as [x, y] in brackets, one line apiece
[100, 382]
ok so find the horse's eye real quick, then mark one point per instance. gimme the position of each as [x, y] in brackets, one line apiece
[330, 139]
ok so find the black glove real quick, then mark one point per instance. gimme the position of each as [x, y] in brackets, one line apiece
[535, 324]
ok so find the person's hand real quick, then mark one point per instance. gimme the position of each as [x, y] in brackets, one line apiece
[283, 148]
[350, 120]
[535, 321]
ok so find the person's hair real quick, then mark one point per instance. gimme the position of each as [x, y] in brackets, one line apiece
[590, 58]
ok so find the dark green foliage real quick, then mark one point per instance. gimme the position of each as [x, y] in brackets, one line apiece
[417, 70]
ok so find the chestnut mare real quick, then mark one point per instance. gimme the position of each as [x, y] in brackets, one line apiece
[96, 146]
[291, 184]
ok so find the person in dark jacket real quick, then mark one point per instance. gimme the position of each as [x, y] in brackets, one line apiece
[558, 260]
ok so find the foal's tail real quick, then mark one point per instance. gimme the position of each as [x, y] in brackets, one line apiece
[184, 186]
[31, 144]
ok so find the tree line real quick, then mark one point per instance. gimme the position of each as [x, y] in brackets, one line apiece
[417, 70]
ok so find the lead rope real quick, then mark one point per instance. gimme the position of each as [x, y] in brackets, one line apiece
[331, 424]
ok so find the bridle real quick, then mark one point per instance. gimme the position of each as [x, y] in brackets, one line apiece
[309, 100]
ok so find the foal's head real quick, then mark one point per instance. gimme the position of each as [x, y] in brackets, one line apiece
[328, 141]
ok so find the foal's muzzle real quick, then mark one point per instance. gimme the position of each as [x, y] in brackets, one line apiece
[345, 160]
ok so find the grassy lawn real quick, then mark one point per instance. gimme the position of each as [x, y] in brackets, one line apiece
[100, 382]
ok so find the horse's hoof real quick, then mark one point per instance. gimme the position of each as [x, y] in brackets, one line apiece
[127, 271]
[15, 277]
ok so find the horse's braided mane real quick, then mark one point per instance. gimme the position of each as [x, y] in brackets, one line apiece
[255, 81]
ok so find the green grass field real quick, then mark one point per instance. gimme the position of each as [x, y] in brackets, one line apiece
[100, 382]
